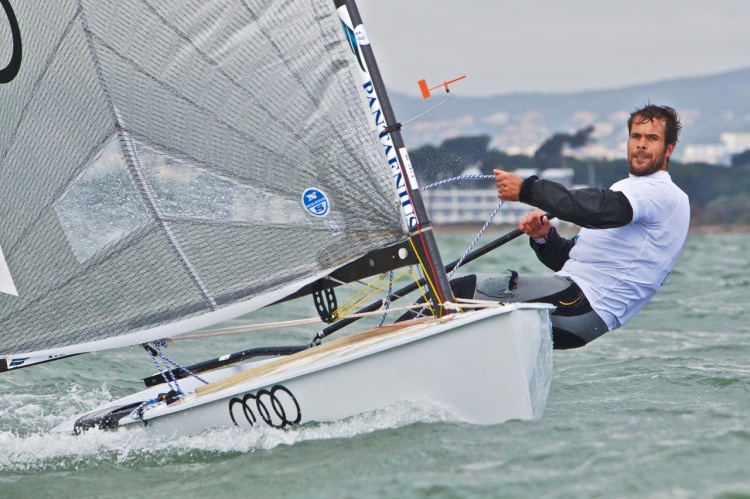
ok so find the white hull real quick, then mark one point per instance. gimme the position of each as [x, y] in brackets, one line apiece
[483, 367]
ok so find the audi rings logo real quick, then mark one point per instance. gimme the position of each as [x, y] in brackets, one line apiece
[14, 65]
[276, 407]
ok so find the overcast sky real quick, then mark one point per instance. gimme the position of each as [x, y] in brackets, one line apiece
[507, 46]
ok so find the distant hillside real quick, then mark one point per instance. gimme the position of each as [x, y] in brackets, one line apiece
[709, 105]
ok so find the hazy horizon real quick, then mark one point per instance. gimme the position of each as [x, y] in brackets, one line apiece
[545, 46]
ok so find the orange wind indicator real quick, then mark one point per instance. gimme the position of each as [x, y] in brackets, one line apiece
[426, 91]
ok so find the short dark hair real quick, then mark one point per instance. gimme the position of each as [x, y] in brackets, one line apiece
[651, 112]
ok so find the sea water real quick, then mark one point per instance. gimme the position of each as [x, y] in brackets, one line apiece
[659, 408]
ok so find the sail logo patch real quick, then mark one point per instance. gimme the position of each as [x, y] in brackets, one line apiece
[316, 202]
[17, 362]
[9, 72]
[361, 35]
[351, 37]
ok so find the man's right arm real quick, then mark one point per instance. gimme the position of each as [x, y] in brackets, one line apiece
[588, 207]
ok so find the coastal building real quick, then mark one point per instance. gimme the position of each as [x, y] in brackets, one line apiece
[718, 153]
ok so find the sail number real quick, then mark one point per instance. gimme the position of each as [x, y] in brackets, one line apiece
[9, 72]
[276, 407]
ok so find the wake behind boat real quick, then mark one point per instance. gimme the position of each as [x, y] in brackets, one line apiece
[165, 168]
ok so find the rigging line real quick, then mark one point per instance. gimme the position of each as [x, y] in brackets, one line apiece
[426, 112]
[426, 275]
[471, 246]
[157, 345]
[361, 295]
[387, 303]
[346, 308]
[424, 298]
[478, 253]
[437, 286]
[281, 325]
[161, 343]
[163, 371]
[420, 232]
[486, 224]
[418, 286]
[425, 301]
[476, 239]
[453, 179]
[435, 291]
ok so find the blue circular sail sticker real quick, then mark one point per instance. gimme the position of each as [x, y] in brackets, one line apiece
[316, 202]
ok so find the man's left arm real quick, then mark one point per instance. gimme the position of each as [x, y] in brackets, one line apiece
[554, 251]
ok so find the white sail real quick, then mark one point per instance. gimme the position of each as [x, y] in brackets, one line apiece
[157, 162]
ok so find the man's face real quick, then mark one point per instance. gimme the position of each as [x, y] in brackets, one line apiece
[647, 152]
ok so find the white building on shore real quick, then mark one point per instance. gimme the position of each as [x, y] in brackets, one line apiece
[718, 153]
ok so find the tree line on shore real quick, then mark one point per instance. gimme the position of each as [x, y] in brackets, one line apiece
[718, 194]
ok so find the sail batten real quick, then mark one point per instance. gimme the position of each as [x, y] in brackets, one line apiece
[165, 164]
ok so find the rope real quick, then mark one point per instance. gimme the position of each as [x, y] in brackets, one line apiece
[315, 320]
[476, 239]
[481, 232]
[425, 275]
[161, 343]
[138, 411]
[163, 371]
[387, 303]
[280, 325]
[453, 179]
[360, 296]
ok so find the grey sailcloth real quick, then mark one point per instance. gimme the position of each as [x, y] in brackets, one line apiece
[165, 159]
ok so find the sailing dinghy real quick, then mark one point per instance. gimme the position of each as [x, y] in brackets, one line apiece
[166, 166]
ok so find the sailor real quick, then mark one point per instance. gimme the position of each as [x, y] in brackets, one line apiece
[631, 238]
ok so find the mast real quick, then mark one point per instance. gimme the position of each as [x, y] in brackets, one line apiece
[415, 217]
